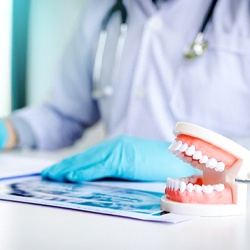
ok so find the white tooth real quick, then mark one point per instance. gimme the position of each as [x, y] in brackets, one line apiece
[185, 180]
[171, 146]
[190, 150]
[210, 188]
[197, 188]
[190, 187]
[207, 189]
[211, 163]
[175, 145]
[176, 185]
[219, 187]
[183, 147]
[220, 166]
[172, 183]
[168, 182]
[197, 155]
[178, 144]
[203, 159]
[182, 186]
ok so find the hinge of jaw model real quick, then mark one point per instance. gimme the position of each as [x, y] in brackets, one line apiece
[222, 161]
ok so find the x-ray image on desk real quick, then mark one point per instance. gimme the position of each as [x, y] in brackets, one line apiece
[89, 196]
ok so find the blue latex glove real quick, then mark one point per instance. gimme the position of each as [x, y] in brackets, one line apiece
[3, 134]
[124, 157]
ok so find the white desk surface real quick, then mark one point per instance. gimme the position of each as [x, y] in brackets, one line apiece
[24, 226]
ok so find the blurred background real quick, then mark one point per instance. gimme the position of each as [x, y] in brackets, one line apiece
[34, 34]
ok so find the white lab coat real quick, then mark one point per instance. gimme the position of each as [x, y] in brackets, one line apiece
[154, 86]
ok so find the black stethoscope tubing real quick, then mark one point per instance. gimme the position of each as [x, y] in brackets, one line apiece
[118, 7]
[208, 16]
[198, 47]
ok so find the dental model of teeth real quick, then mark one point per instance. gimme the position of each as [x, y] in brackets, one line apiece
[215, 193]
[197, 155]
[184, 184]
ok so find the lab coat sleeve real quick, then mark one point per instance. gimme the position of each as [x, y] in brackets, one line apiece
[62, 118]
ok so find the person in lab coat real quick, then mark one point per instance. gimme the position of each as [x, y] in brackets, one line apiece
[153, 87]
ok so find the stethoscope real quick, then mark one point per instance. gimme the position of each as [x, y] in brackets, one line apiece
[195, 50]
[107, 90]
[198, 47]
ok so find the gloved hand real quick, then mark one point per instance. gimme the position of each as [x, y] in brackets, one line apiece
[3, 134]
[124, 157]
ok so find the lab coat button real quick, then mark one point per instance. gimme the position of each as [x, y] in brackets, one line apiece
[156, 23]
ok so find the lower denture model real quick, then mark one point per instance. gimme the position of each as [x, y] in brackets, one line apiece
[216, 192]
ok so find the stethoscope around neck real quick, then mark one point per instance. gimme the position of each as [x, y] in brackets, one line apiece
[195, 50]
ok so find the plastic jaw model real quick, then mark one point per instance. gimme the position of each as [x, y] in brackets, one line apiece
[216, 192]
